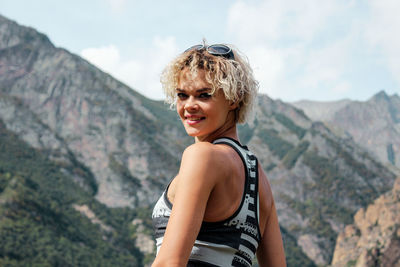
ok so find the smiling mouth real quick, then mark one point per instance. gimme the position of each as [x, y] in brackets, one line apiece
[194, 120]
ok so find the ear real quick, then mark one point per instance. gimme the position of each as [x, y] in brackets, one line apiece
[233, 105]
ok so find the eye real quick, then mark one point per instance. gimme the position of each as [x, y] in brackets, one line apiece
[182, 96]
[205, 95]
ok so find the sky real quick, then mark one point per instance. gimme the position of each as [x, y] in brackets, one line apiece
[310, 49]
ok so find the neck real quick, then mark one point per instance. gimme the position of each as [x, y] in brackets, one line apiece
[232, 133]
[227, 130]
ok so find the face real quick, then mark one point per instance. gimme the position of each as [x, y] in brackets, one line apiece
[202, 114]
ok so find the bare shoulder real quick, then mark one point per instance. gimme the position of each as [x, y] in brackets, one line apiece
[206, 156]
[205, 151]
[199, 147]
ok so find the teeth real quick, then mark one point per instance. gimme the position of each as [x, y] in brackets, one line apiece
[194, 119]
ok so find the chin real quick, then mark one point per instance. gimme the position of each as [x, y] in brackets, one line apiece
[193, 132]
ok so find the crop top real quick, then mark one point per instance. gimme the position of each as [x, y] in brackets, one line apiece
[230, 242]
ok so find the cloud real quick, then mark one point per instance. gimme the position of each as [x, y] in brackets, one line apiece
[298, 49]
[382, 32]
[117, 6]
[274, 20]
[142, 72]
[267, 64]
[342, 87]
[105, 57]
[325, 65]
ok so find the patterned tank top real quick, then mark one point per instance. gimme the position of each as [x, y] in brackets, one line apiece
[230, 242]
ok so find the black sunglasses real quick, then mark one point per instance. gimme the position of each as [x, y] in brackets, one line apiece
[215, 50]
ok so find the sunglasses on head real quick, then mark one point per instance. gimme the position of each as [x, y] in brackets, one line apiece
[215, 50]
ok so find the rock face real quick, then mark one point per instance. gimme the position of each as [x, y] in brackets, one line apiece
[60, 103]
[321, 111]
[319, 180]
[365, 122]
[374, 238]
[124, 148]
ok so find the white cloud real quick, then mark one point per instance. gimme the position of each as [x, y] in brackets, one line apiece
[326, 64]
[382, 32]
[141, 73]
[267, 65]
[342, 87]
[249, 22]
[277, 19]
[105, 57]
[117, 6]
[296, 47]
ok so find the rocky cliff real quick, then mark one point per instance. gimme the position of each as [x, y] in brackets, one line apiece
[58, 102]
[374, 237]
[374, 124]
[122, 148]
[319, 179]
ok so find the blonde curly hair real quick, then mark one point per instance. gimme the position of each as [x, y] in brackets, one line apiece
[233, 76]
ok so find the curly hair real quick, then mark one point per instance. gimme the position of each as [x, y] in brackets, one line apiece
[233, 76]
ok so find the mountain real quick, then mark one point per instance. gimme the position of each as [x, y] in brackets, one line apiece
[321, 111]
[374, 124]
[58, 102]
[319, 179]
[374, 237]
[116, 151]
[118, 146]
[40, 221]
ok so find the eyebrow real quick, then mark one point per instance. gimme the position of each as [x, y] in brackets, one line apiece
[197, 91]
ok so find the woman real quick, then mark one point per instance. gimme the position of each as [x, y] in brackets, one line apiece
[219, 209]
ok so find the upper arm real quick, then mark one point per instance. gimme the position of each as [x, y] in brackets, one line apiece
[196, 179]
[270, 251]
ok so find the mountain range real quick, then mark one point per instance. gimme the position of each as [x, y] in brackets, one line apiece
[373, 124]
[84, 157]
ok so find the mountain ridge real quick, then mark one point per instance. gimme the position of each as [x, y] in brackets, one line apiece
[364, 121]
[55, 99]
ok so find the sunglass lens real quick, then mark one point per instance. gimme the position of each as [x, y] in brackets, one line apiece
[195, 47]
[219, 49]
[215, 49]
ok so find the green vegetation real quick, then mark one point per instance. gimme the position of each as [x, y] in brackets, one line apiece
[326, 196]
[123, 172]
[289, 160]
[390, 153]
[351, 263]
[270, 167]
[289, 124]
[277, 145]
[332, 184]
[314, 210]
[82, 171]
[294, 254]
[245, 133]
[359, 167]
[39, 225]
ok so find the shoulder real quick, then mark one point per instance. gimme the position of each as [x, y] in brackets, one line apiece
[199, 147]
[204, 151]
[205, 156]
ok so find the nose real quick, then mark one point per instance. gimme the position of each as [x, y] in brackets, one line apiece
[191, 103]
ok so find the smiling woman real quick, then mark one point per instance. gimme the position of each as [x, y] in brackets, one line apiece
[200, 111]
[219, 209]
[232, 75]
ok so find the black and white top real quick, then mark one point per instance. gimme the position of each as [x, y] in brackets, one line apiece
[231, 242]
